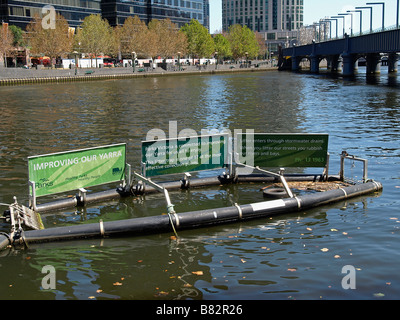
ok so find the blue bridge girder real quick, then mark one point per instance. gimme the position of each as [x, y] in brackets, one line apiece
[370, 46]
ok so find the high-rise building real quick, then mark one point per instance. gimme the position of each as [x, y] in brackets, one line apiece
[116, 11]
[20, 12]
[277, 20]
[206, 14]
[179, 11]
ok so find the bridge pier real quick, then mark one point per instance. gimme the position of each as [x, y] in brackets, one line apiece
[296, 63]
[373, 63]
[314, 67]
[393, 62]
[348, 64]
[334, 63]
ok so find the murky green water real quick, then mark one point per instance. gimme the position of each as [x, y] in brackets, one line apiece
[271, 258]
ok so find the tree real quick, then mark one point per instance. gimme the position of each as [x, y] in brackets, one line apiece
[181, 42]
[48, 41]
[116, 44]
[261, 44]
[222, 46]
[134, 36]
[152, 43]
[6, 41]
[18, 35]
[95, 36]
[200, 42]
[243, 42]
[168, 39]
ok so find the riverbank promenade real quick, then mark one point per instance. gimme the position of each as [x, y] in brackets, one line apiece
[18, 76]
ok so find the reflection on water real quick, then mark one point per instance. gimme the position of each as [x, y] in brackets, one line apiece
[271, 258]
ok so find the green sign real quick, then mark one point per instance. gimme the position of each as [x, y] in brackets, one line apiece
[61, 172]
[171, 156]
[285, 150]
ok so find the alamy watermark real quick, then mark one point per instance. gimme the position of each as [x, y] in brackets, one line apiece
[49, 280]
[349, 280]
[49, 17]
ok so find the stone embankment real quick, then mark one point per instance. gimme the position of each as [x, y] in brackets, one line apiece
[19, 76]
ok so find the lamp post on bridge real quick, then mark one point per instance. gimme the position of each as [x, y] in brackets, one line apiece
[336, 20]
[319, 31]
[370, 8]
[360, 12]
[383, 11]
[346, 14]
[344, 23]
[325, 21]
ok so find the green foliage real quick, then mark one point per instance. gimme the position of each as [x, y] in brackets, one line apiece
[243, 42]
[18, 34]
[200, 43]
[95, 36]
[222, 46]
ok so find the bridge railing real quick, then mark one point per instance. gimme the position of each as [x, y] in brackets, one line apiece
[393, 27]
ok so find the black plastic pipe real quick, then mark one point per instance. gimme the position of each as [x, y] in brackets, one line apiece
[195, 219]
[175, 185]
[4, 241]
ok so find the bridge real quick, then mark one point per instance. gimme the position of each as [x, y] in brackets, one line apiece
[348, 50]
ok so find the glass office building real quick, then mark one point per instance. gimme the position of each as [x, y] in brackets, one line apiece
[206, 14]
[116, 11]
[178, 11]
[20, 12]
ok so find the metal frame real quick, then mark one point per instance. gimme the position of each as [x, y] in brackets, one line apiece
[269, 173]
[77, 150]
[344, 155]
[170, 206]
[22, 216]
[325, 173]
[32, 196]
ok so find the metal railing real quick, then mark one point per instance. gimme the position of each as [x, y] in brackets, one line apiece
[358, 34]
[363, 33]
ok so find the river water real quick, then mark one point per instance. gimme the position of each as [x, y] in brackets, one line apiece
[293, 256]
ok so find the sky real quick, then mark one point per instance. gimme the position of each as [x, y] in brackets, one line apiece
[215, 15]
[314, 10]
